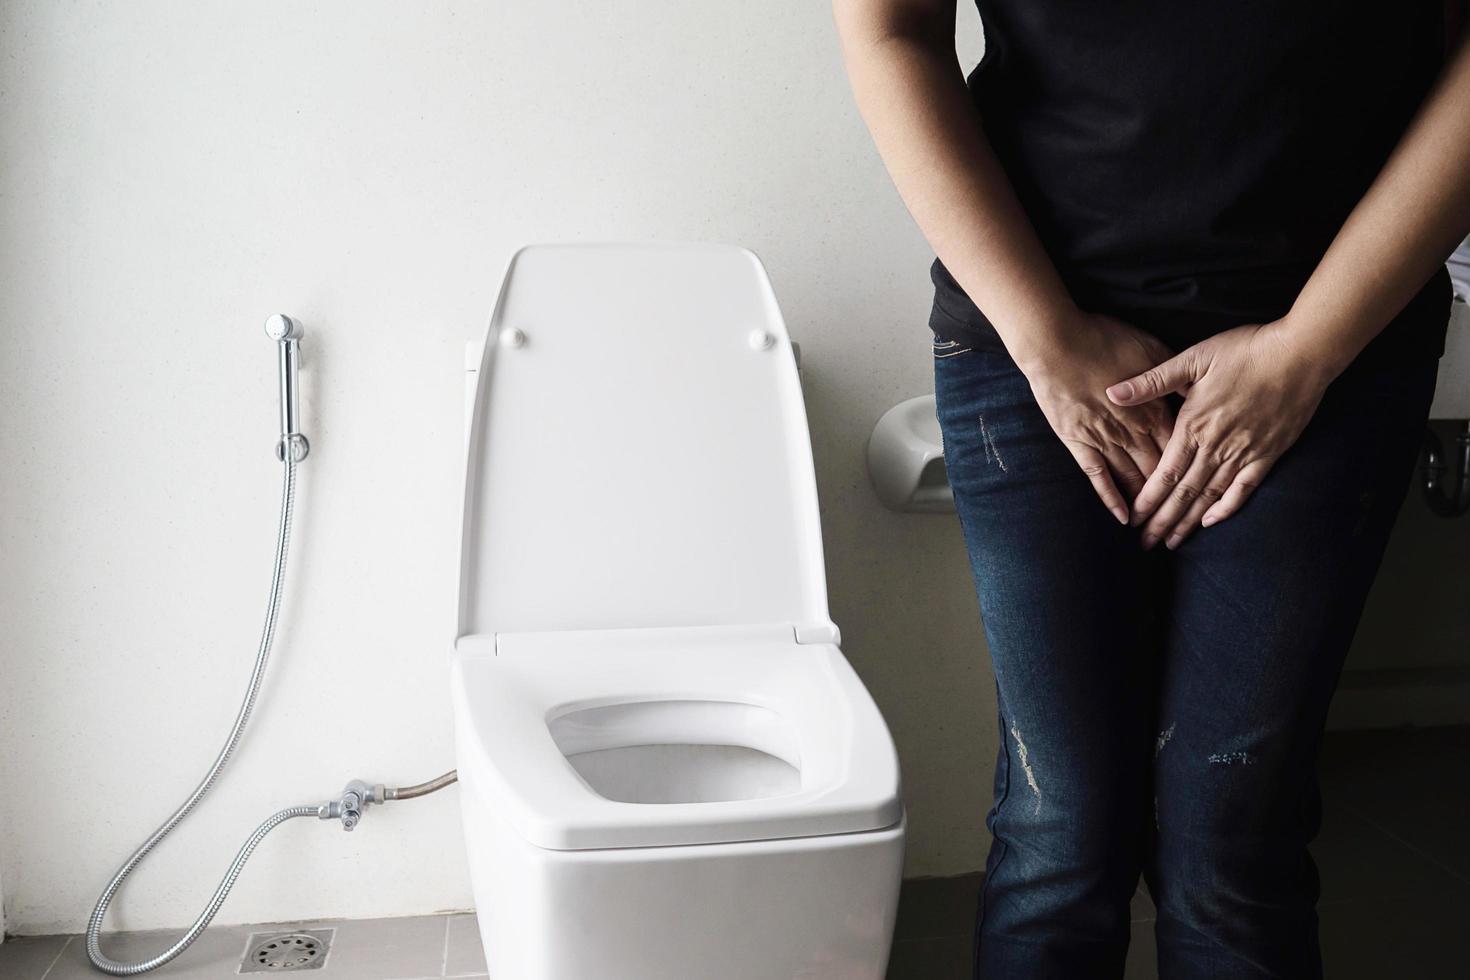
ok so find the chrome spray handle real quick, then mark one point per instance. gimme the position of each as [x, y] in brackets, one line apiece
[286, 332]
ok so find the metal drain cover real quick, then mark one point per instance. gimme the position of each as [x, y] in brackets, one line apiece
[273, 952]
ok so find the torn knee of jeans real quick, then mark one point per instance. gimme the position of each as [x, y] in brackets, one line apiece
[1162, 739]
[1235, 757]
[1024, 755]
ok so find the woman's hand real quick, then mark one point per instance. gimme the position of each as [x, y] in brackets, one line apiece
[1115, 445]
[1248, 394]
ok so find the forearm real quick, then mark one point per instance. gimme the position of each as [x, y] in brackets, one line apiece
[912, 95]
[1414, 215]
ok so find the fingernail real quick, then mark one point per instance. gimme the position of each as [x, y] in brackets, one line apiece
[1122, 391]
[1207, 520]
[1121, 514]
[1173, 542]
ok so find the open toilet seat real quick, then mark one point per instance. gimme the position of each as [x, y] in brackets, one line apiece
[668, 768]
[529, 705]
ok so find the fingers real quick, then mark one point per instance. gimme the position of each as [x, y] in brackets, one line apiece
[1095, 466]
[1128, 472]
[1163, 430]
[1214, 489]
[1240, 489]
[1178, 454]
[1175, 374]
[1144, 455]
[1224, 492]
[1182, 495]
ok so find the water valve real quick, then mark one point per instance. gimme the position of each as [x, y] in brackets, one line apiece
[356, 796]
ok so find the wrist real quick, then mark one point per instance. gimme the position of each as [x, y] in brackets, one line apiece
[1310, 354]
[1040, 344]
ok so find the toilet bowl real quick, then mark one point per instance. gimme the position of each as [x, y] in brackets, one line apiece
[670, 770]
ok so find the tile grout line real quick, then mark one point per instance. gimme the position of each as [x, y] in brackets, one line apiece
[1432, 859]
[444, 962]
[57, 958]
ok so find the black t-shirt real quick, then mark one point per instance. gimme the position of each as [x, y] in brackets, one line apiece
[1187, 162]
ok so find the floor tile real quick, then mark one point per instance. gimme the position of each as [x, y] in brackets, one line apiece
[1143, 956]
[384, 949]
[946, 958]
[213, 955]
[29, 957]
[1358, 860]
[1141, 909]
[1370, 940]
[1408, 783]
[466, 954]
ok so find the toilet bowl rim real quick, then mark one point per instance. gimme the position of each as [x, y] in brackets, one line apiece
[854, 781]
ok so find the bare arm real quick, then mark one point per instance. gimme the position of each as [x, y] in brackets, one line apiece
[908, 84]
[911, 92]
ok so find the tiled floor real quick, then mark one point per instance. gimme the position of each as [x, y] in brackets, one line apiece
[1394, 854]
[420, 948]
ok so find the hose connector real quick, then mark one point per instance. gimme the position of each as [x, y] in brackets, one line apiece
[349, 805]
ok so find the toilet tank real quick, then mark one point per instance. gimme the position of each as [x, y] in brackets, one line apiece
[638, 452]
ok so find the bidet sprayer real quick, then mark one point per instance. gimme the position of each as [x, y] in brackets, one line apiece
[286, 332]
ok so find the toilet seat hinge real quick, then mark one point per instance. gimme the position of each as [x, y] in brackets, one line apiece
[822, 632]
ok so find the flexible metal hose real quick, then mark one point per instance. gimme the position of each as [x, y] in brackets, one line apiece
[424, 789]
[267, 637]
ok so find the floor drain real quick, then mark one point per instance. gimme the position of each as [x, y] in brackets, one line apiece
[275, 952]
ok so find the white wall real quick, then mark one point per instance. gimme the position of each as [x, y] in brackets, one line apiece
[172, 173]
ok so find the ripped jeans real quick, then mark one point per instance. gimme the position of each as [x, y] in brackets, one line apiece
[1161, 712]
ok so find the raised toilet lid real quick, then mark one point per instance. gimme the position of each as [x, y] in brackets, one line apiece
[639, 454]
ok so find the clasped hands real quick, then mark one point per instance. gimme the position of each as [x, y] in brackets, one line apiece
[1247, 395]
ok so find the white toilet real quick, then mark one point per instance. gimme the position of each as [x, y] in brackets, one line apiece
[670, 771]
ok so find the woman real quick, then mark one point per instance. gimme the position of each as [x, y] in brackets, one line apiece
[1190, 265]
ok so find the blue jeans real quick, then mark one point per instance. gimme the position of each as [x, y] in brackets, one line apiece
[1160, 712]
